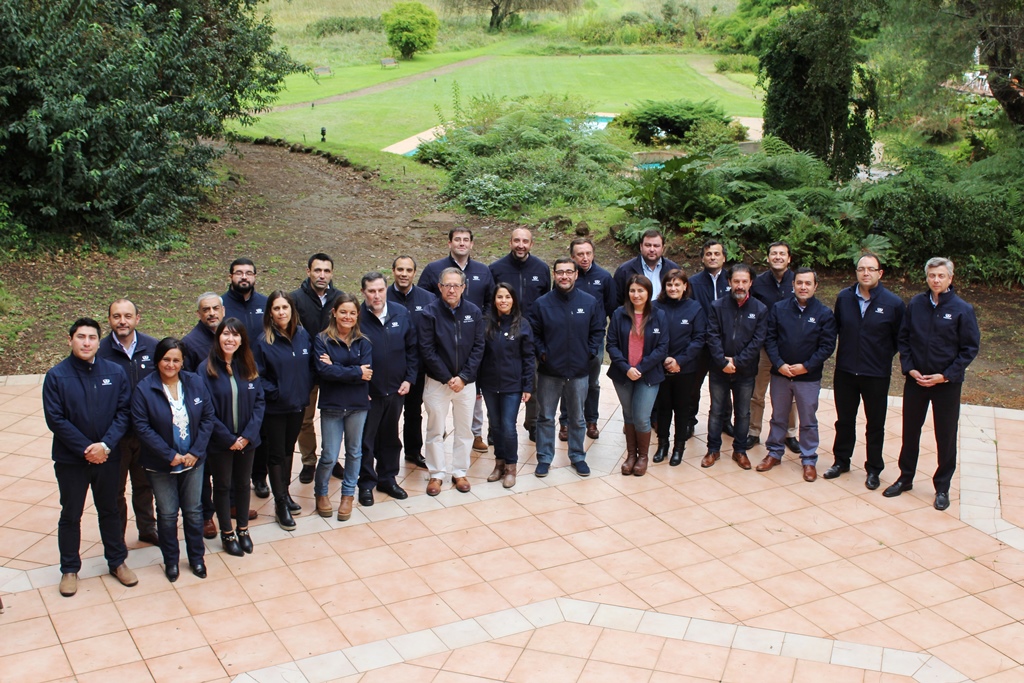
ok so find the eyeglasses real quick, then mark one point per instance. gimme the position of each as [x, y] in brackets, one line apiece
[245, 273]
[867, 269]
[564, 273]
[451, 287]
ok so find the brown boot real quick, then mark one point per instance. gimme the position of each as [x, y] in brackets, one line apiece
[499, 470]
[345, 508]
[643, 446]
[630, 432]
[509, 480]
[323, 506]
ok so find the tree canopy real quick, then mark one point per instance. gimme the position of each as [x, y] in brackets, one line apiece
[501, 10]
[411, 27]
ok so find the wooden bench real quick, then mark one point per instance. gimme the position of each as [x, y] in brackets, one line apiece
[388, 62]
[323, 71]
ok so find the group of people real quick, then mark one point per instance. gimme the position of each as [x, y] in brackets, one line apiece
[195, 422]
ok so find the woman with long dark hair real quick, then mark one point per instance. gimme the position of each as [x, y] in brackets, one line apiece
[284, 355]
[173, 417]
[343, 359]
[506, 378]
[233, 381]
[687, 327]
[637, 344]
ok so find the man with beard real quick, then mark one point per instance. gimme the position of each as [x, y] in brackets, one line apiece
[709, 285]
[650, 263]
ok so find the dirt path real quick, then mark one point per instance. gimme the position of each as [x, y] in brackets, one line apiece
[389, 85]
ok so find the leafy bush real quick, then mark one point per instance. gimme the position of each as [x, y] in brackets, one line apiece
[14, 237]
[411, 27]
[329, 26]
[708, 135]
[746, 64]
[668, 121]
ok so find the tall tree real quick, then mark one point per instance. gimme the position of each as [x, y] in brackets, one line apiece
[501, 10]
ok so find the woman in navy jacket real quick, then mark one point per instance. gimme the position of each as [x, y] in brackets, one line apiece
[235, 388]
[687, 327]
[173, 417]
[637, 345]
[506, 378]
[284, 356]
[343, 363]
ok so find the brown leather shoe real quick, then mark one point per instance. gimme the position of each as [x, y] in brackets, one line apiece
[125, 575]
[741, 460]
[810, 473]
[479, 445]
[252, 513]
[499, 470]
[592, 432]
[345, 508]
[209, 529]
[509, 480]
[461, 484]
[433, 487]
[768, 463]
[710, 459]
[323, 506]
[563, 433]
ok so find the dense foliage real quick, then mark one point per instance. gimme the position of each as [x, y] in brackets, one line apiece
[746, 29]
[502, 12]
[677, 23]
[104, 107]
[411, 27]
[668, 122]
[329, 26]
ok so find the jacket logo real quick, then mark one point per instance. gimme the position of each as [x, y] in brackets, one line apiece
[879, 310]
[597, 283]
[752, 316]
[468, 318]
[579, 310]
[812, 320]
[105, 382]
[258, 311]
[145, 358]
[305, 352]
[419, 308]
[684, 321]
[535, 279]
[476, 278]
[394, 323]
[196, 401]
[948, 316]
[251, 385]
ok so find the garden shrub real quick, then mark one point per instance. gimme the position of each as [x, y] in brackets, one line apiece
[411, 27]
[329, 26]
[746, 64]
[668, 121]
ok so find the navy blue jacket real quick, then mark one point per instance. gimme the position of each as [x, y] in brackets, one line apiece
[151, 419]
[770, 291]
[286, 370]
[807, 337]
[451, 342]
[530, 278]
[252, 405]
[342, 386]
[249, 312]
[867, 344]
[85, 403]
[509, 361]
[687, 331]
[313, 315]
[197, 343]
[568, 330]
[941, 339]
[395, 355]
[632, 267]
[737, 332]
[651, 366]
[599, 283]
[704, 288]
[140, 365]
[479, 283]
[414, 301]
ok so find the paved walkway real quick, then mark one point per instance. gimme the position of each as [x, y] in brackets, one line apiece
[683, 575]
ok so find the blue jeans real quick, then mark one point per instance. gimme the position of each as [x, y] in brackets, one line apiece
[784, 392]
[637, 399]
[593, 400]
[572, 391]
[335, 425]
[174, 492]
[740, 389]
[502, 409]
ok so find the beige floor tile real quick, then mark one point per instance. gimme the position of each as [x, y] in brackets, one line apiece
[661, 501]
[537, 667]
[578, 576]
[1009, 676]
[295, 551]
[421, 551]
[167, 637]
[208, 596]
[448, 574]
[311, 639]
[395, 586]
[747, 666]
[571, 520]
[886, 564]
[448, 519]
[475, 600]
[925, 628]
[834, 614]
[522, 530]
[677, 553]
[628, 649]
[927, 588]
[973, 577]
[136, 672]
[488, 660]
[290, 610]
[646, 531]
[758, 564]
[747, 601]
[420, 613]
[367, 626]
[711, 576]
[605, 672]
[323, 572]
[30, 634]
[598, 542]
[816, 672]
[200, 664]
[1007, 639]
[86, 623]
[34, 666]
[498, 564]
[397, 672]
[882, 600]
[374, 561]
[101, 652]
[270, 583]
[473, 541]
[974, 658]
[878, 635]
[661, 589]
[157, 607]
[1009, 562]
[723, 541]
[614, 594]
[229, 623]
[252, 652]
[496, 510]
[696, 659]
[789, 621]
[524, 589]
[542, 501]
[343, 598]
[795, 588]
[549, 553]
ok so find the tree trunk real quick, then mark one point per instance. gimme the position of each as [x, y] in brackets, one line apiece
[497, 16]
[1002, 50]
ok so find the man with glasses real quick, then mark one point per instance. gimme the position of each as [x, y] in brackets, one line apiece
[868, 317]
[242, 301]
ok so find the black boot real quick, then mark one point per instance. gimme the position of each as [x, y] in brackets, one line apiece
[279, 484]
[677, 453]
[292, 505]
[284, 515]
[662, 452]
[259, 486]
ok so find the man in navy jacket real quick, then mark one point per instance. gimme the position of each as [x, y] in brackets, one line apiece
[709, 285]
[568, 331]
[737, 327]
[134, 352]
[86, 404]
[869, 317]
[390, 329]
[801, 337]
[650, 263]
[938, 339]
[451, 346]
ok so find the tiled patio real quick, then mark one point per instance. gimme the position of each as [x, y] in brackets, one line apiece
[685, 574]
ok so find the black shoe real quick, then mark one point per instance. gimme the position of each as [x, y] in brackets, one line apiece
[230, 544]
[871, 482]
[244, 542]
[753, 441]
[366, 497]
[727, 428]
[662, 452]
[689, 432]
[394, 490]
[834, 472]
[260, 488]
[417, 460]
[293, 507]
[149, 537]
[896, 489]
[306, 474]
[793, 444]
[338, 472]
[941, 500]
[284, 514]
[677, 456]
[171, 572]
[532, 432]
[490, 441]
[199, 569]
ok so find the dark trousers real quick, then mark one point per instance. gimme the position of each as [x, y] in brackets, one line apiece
[739, 389]
[206, 495]
[674, 397]
[232, 471]
[703, 367]
[281, 431]
[179, 492]
[945, 402]
[412, 428]
[381, 446]
[849, 390]
[73, 482]
[142, 492]
[259, 459]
